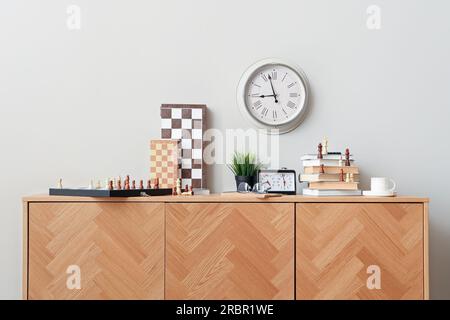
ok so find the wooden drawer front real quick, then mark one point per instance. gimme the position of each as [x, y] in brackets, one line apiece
[340, 246]
[230, 251]
[118, 247]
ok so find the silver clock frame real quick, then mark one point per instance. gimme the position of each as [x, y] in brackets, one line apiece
[244, 109]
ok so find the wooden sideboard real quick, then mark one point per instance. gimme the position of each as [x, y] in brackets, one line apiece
[225, 247]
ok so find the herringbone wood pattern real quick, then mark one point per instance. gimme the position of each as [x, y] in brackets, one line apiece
[119, 248]
[230, 251]
[337, 242]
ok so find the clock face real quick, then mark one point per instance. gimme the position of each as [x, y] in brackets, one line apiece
[275, 94]
[277, 181]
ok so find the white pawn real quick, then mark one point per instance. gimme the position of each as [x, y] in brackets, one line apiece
[107, 184]
[341, 161]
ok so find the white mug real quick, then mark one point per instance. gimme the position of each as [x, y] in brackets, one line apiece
[379, 184]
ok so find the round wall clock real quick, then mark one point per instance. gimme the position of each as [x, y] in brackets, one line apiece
[273, 94]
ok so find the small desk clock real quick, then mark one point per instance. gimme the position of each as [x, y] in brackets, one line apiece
[278, 181]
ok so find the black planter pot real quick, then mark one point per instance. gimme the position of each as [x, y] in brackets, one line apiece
[250, 180]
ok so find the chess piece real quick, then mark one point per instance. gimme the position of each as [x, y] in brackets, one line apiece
[341, 175]
[347, 177]
[107, 184]
[319, 151]
[174, 191]
[352, 179]
[110, 185]
[133, 184]
[60, 184]
[341, 162]
[325, 146]
[149, 184]
[178, 186]
[347, 157]
[99, 185]
[119, 185]
[186, 188]
[141, 184]
[91, 185]
[191, 190]
[322, 168]
[127, 185]
[128, 178]
[156, 183]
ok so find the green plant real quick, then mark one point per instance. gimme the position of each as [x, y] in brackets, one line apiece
[244, 164]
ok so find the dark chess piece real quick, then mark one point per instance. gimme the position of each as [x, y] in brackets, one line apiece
[119, 184]
[319, 151]
[192, 190]
[322, 168]
[156, 183]
[110, 185]
[141, 184]
[186, 188]
[174, 192]
[133, 184]
[347, 157]
[341, 176]
[149, 184]
[127, 185]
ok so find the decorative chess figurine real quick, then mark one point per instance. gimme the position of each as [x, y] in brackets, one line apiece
[325, 146]
[60, 184]
[319, 151]
[178, 186]
[347, 157]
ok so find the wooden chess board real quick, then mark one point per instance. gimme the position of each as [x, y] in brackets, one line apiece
[187, 123]
[165, 162]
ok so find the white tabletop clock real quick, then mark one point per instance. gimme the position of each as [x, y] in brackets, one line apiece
[273, 94]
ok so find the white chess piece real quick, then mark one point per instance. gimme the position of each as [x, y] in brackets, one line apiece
[178, 186]
[60, 185]
[91, 185]
[107, 184]
[325, 146]
[341, 162]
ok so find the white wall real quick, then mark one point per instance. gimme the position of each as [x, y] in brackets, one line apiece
[82, 104]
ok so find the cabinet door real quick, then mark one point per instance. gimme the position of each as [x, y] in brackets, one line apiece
[359, 251]
[230, 251]
[96, 251]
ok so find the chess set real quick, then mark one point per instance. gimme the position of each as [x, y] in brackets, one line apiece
[113, 188]
[176, 160]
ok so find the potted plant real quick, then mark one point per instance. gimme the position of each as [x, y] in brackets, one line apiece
[244, 167]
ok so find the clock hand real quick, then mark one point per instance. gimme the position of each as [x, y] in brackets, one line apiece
[274, 95]
[267, 95]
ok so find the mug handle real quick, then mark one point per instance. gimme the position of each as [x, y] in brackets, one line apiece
[394, 185]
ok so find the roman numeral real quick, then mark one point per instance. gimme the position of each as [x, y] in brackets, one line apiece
[254, 95]
[263, 76]
[257, 104]
[264, 112]
[274, 114]
[293, 94]
[274, 75]
[256, 85]
[284, 77]
[284, 111]
[291, 105]
[291, 85]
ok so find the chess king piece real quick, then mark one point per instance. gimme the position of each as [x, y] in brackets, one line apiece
[319, 151]
[347, 157]
[60, 184]
[325, 146]
[341, 161]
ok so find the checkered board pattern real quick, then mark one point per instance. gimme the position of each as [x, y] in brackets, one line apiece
[187, 123]
[165, 162]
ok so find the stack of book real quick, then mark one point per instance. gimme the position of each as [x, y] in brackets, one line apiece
[330, 176]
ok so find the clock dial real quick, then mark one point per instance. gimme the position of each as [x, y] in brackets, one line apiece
[275, 94]
[277, 181]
